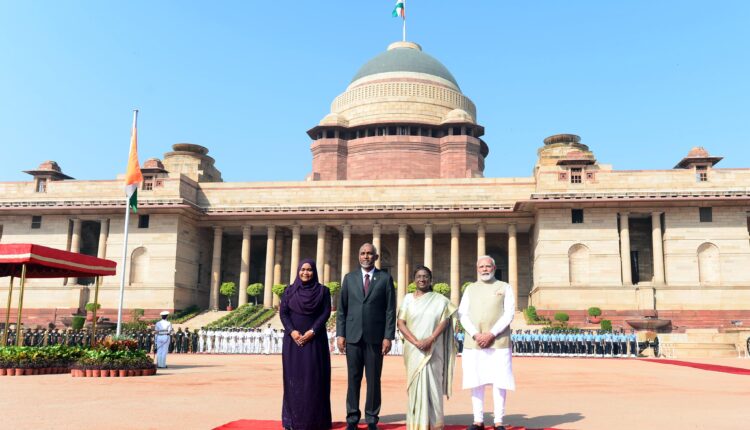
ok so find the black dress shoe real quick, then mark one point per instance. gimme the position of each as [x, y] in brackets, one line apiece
[501, 427]
[350, 426]
[372, 426]
[475, 427]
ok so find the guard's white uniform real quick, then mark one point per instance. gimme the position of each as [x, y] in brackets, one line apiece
[202, 340]
[267, 340]
[164, 331]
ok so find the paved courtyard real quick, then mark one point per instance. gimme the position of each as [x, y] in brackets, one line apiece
[205, 391]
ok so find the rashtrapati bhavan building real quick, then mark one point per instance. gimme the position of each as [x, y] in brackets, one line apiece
[399, 162]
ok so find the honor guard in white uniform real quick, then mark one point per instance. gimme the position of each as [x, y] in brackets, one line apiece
[164, 332]
[267, 339]
[202, 340]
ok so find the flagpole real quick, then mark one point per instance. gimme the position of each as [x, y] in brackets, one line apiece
[125, 247]
[404, 20]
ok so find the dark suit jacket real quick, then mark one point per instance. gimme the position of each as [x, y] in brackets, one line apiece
[371, 318]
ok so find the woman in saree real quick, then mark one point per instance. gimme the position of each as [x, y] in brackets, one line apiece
[426, 321]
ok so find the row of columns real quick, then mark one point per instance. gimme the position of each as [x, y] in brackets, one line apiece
[656, 244]
[274, 253]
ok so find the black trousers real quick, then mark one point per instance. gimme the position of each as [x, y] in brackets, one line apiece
[363, 359]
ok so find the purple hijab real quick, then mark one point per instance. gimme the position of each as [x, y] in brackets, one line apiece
[306, 298]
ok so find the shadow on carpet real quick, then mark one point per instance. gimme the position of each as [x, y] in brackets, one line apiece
[276, 425]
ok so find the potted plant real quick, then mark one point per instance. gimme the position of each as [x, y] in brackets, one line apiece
[442, 288]
[90, 310]
[255, 290]
[594, 314]
[228, 289]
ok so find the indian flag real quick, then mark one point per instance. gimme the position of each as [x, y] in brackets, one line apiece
[133, 176]
[399, 9]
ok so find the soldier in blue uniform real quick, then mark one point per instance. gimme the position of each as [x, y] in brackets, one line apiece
[514, 341]
[633, 339]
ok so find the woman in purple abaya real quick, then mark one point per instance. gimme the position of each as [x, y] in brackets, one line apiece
[304, 311]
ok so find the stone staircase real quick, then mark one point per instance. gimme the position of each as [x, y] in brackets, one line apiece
[699, 343]
[201, 320]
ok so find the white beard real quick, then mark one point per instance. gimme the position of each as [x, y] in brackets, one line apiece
[487, 277]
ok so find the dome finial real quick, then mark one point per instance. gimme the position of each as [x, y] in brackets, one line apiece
[408, 45]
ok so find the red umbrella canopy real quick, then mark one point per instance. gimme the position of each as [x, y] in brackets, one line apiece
[44, 262]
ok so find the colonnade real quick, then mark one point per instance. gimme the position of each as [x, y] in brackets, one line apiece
[324, 245]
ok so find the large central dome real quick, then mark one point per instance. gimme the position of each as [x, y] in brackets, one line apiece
[403, 116]
[405, 57]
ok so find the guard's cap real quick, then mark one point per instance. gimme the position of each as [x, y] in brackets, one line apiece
[163, 313]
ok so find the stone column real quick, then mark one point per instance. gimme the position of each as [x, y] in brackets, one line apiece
[216, 269]
[376, 241]
[295, 253]
[101, 251]
[346, 251]
[627, 274]
[658, 246]
[455, 269]
[244, 266]
[481, 242]
[278, 260]
[428, 245]
[270, 251]
[513, 260]
[327, 262]
[75, 244]
[320, 253]
[401, 277]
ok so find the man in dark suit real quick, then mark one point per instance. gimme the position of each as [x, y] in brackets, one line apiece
[365, 327]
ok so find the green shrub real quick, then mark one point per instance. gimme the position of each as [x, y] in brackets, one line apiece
[255, 290]
[411, 288]
[77, 322]
[442, 288]
[279, 289]
[530, 314]
[562, 317]
[228, 289]
[594, 311]
[606, 325]
[333, 287]
[90, 307]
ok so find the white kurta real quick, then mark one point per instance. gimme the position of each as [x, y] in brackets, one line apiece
[489, 365]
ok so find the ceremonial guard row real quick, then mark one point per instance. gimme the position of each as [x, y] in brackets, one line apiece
[571, 343]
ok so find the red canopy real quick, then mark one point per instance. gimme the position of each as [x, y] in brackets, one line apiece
[44, 262]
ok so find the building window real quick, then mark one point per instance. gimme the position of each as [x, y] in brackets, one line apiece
[41, 185]
[143, 221]
[469, 131]
[701, 173]
[576, 175]
[456, 131]
[330, 134]
[148, 183]
[576, 216]
[706, 214]
[36, 221]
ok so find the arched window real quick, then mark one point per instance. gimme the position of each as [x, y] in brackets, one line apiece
[578, 264]
[139, 266]
[709, 267]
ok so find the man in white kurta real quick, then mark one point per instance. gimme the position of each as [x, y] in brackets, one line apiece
[486, 311]
[164, 332]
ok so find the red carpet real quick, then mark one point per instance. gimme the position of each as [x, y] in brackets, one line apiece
[702, 366]
[276, 425]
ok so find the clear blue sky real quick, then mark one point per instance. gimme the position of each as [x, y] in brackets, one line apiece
[640, 81]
